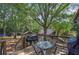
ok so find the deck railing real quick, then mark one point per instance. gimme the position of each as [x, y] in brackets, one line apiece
[20, 40]
[5, 43]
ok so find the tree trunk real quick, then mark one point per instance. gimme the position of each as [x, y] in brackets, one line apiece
[45, 33]
[57, 33]
[4, 30]
[15, 34]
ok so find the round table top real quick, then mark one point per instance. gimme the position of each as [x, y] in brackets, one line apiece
[44, 45]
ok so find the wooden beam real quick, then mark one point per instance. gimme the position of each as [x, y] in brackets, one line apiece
[53, 36]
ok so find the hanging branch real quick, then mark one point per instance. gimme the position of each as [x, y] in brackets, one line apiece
[59, 10]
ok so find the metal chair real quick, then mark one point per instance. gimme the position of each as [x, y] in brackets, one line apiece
[37, 50]
[52, 50]
[31, 39]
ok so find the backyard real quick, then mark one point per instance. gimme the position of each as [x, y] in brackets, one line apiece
[39, 29]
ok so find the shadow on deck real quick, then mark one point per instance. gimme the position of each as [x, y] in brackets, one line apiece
[30, 51]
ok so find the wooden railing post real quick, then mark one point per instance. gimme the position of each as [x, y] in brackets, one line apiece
[3, 47]
[24, 43]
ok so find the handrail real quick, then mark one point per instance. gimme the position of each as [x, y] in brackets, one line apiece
[53, 36]
[18, 41]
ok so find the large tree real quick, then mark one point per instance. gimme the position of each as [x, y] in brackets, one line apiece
[24, 14]
[44, 14]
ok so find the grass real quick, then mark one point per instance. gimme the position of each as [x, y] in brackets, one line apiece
[9, 37]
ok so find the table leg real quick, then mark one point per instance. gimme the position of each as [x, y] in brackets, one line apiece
[44, 52]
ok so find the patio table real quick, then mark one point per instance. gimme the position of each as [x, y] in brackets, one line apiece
[44, 45]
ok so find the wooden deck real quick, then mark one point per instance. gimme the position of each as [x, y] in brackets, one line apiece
[27, 51]
[30, 51]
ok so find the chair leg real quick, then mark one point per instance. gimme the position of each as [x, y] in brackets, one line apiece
[55, 50]
[34, 50]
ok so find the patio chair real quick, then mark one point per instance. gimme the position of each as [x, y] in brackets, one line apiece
[52, 51]
[37, 50]
[32, 39]
[73, 47]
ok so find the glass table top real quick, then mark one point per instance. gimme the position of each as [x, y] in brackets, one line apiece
[44, 45]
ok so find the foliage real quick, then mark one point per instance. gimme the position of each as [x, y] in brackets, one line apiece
[61, 26]
[31, 17]
[44, 14]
